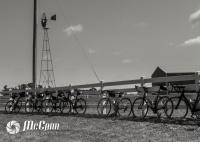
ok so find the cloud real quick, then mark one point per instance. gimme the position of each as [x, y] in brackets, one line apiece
[126, 61]
[171, 44]
[116, 53]
[195, 17]
[91, 51]
[73, 29]
[45, 57]
[191, 42]
[141, 25]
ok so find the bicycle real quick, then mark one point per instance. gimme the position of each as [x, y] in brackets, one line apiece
[14, 104]
[182, 104]
[73, 103]
[51, 102]
[121, 105]
[34, 103]
[161, 105]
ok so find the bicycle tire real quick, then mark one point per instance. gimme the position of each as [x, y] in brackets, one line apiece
[104, 107]
[29, 106]
[39, 105]
[179, 111]
[124, 107]
[169, 108]
[8, 106]
[164, 107]
[47, 106]
[140, 108]
[80, 106]
[18, 106]
[66, 106]
[57, 106]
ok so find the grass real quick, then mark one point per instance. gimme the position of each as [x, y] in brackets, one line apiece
[92, 128]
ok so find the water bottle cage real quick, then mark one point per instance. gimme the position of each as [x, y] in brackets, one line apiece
[72, 98]
[11, 99]
[192, 101]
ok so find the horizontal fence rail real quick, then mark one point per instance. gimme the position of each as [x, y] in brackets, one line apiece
[141, 81]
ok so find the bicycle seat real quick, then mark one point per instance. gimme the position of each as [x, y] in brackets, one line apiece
[179, 88]
[54, 97]
[13, 95]
[141, 89]
[163, 88]
[111, 93]
[60, 93]
[49, 92]
[120, 94]
[77, 92]
[22, 94]
[40, 95]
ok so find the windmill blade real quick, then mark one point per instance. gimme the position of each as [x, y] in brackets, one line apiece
[53, 17]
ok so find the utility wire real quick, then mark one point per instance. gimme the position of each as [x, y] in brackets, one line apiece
[87, 57]
[80, 45]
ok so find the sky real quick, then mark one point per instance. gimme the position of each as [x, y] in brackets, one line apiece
[122, 39]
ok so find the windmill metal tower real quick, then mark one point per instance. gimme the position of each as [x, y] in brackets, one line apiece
[47, 78]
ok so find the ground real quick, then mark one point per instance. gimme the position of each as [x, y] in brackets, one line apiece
[92, 128]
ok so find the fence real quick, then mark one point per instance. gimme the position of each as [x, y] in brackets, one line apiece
[141, 81]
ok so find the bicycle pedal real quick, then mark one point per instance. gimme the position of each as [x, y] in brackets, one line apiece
[196, 113]
[159, 115]
[192, 116]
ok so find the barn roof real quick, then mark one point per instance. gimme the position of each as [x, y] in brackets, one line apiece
[179, 69]
[167, 71]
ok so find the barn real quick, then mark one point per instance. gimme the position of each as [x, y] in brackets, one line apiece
[159, 72]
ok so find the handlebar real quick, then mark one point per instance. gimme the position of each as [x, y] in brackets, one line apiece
[178, 88]
[144, 89]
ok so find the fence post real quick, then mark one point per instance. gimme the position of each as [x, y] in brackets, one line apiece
[142, 81]
[197, 80]
[103, 96]
[101, 86]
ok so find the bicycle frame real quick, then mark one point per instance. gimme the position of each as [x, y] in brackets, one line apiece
[35, 101]
[193, 107]
[115, 104]
[72, 101]
[151, 104]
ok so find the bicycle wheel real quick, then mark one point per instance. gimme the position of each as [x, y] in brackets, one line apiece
[180, 109]
[9, 106]
[80, 106]
[164, 107]
[17, 106]
[169, 108]
[124, 107]
[47, 106]
[57, 106]
[140, 107]
[29, 106]
[66, 106]
[39, 105]
[104, 107]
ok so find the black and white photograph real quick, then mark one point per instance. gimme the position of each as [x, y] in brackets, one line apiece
[100, 71]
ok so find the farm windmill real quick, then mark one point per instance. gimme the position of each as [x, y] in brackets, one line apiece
[47, 78]
[46, 72]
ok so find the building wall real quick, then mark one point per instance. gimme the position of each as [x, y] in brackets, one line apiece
[160, 73]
